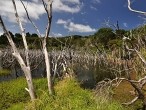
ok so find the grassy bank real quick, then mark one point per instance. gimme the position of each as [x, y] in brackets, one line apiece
[68, 96]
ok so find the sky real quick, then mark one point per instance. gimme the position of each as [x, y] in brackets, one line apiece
[74, 17]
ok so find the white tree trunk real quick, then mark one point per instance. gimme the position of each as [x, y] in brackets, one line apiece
[47, 62]
[27, 73]
[48, 9]
[26, 69]
[1, 59]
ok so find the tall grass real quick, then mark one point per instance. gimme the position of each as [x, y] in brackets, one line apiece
[68, 96]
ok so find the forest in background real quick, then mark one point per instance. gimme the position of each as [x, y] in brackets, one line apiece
[105, 37]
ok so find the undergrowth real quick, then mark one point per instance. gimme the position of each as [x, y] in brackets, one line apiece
[68, 96]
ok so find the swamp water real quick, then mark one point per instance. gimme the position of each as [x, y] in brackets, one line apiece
[87, 76]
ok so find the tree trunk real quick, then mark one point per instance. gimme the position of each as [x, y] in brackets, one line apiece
[0, 59]
[47, 62]
[144, 104]
[24, 67]
[27, 73]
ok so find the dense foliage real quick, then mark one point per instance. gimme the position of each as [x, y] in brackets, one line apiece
[104, 37]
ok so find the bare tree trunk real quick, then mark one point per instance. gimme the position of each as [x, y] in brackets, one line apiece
[48, 8]
[0, 59]
[47, 59]
[47, 62]
[16, 54]
[25, 69]
[144, 105]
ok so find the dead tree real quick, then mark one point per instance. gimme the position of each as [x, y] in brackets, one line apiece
[1, 59]
[48, 8]
[24, 66]
[16, 54]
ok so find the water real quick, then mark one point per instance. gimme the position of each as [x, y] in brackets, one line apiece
[87, 76]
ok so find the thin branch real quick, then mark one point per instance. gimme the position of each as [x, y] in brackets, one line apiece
[23, 34]
[8, 35]
[49, 14]
[140, 56]
[31, 20]
[129, 103]
[136, 11]
[45, 6]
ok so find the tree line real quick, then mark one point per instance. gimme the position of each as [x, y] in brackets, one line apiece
[105, 37]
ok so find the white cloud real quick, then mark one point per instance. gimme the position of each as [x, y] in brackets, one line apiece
[35, 1]
[79, 28]
[1, 33]
[72, 1]
[73, 27]
[60, 21]
[93, 8]
[142, 17]
[83, 13]
[35, 10]
[125, 24]
[96, 1]
[56, 34]
[70, 6]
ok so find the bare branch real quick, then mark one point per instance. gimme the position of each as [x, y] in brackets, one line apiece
[49, 14]
[129, 103]
[31, 20]
[8, 35]
[136, 11]
[16, 54]
[23, 33]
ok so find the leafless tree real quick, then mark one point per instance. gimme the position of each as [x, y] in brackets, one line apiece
[25, 66]
[48, 8]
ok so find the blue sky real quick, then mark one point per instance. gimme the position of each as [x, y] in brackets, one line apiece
[82, 17]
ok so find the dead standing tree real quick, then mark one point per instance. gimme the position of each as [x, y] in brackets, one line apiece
[47, 60]
[48, 9]
[138, 85]
[24, 67]
[141, 82]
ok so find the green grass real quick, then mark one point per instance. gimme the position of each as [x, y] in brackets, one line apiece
[68, 96]
[12, 92]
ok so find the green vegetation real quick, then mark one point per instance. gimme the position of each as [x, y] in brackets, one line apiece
[69, 96]
[12, 92]
[103, 36]
[68, 92]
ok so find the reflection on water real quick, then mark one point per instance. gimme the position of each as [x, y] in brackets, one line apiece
[88, 76]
